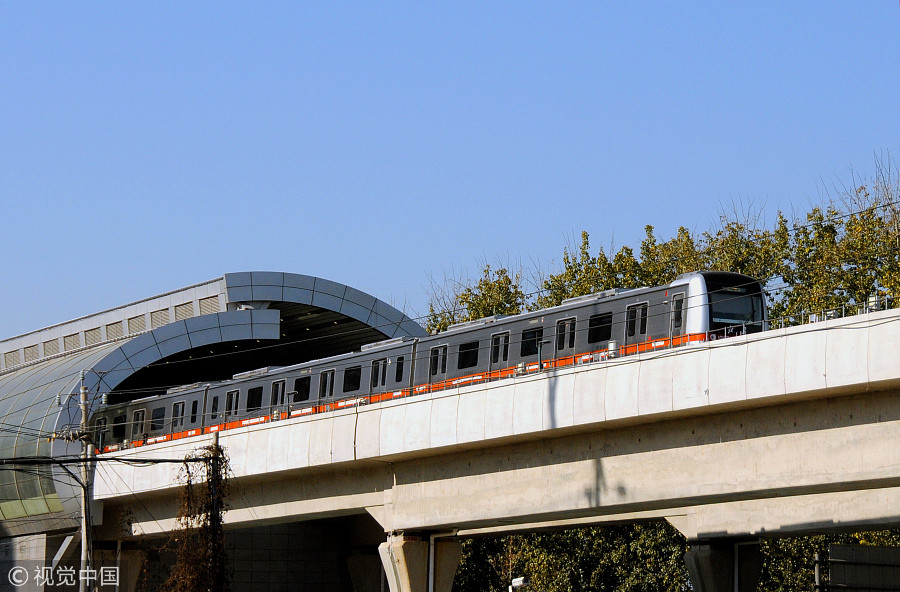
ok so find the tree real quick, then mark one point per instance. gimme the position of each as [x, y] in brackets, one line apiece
[581, 274]
[200, 564]
[643, 557]
[663, 262]
[495, 293]
[788, 562]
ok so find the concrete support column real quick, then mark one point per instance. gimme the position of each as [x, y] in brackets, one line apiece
[446, 560]
[406, 563]
[724, 566]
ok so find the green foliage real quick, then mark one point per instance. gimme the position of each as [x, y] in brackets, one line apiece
[788, 563]
[740, 246]
[815, 271]
[581, 274]
[495, 293]
[663, 262]
[644, 557]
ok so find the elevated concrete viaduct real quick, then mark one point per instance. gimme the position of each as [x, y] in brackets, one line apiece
[784, 432]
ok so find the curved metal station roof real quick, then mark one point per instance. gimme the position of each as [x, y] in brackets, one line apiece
[208, 331]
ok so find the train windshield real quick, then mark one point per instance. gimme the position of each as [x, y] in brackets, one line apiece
[735, 306]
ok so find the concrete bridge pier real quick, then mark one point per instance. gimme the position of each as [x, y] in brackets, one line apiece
[724, 565]
[418, 564]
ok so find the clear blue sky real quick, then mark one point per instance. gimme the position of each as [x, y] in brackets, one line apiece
[148, 146]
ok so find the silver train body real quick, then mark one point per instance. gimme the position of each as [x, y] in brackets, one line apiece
[696, 307]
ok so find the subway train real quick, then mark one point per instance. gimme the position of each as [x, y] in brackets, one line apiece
[695, 307]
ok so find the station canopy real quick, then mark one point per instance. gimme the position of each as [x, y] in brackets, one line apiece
[205, 332]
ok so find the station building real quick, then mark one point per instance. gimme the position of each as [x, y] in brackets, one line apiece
[204, 332]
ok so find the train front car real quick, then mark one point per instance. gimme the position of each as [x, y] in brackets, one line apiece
[723, 304]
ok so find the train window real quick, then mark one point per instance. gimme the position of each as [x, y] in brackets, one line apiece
[277, 393]
[500, 348]
[118, 426]
[194, 411]
[438, 360]
[398, 373]
[565, 334]
[137, 424]
[600, 327]
[352, 379]
[639, 310]
[379, 372]
[157, 419]
[677, 312]
[326, 384]
[254, 399]
[301, 388]
[468, 355]
[231, 403]
[531, 340]
[178, 414]
[214, 408]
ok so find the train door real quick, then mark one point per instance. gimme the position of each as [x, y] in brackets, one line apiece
[231, 404]
[378, 375]
[177, 416]
[100, 431]
[565, 341]
[499, 353]
[277, 401]
[214, 408]
[137, 424]
[635, 326]
[437, 368]
[326, 384]
[676, 318]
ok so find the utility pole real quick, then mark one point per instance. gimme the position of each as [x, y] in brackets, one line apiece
[87, 452]
[85, 480]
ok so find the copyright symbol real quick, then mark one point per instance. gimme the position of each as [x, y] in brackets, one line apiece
[18, 576]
